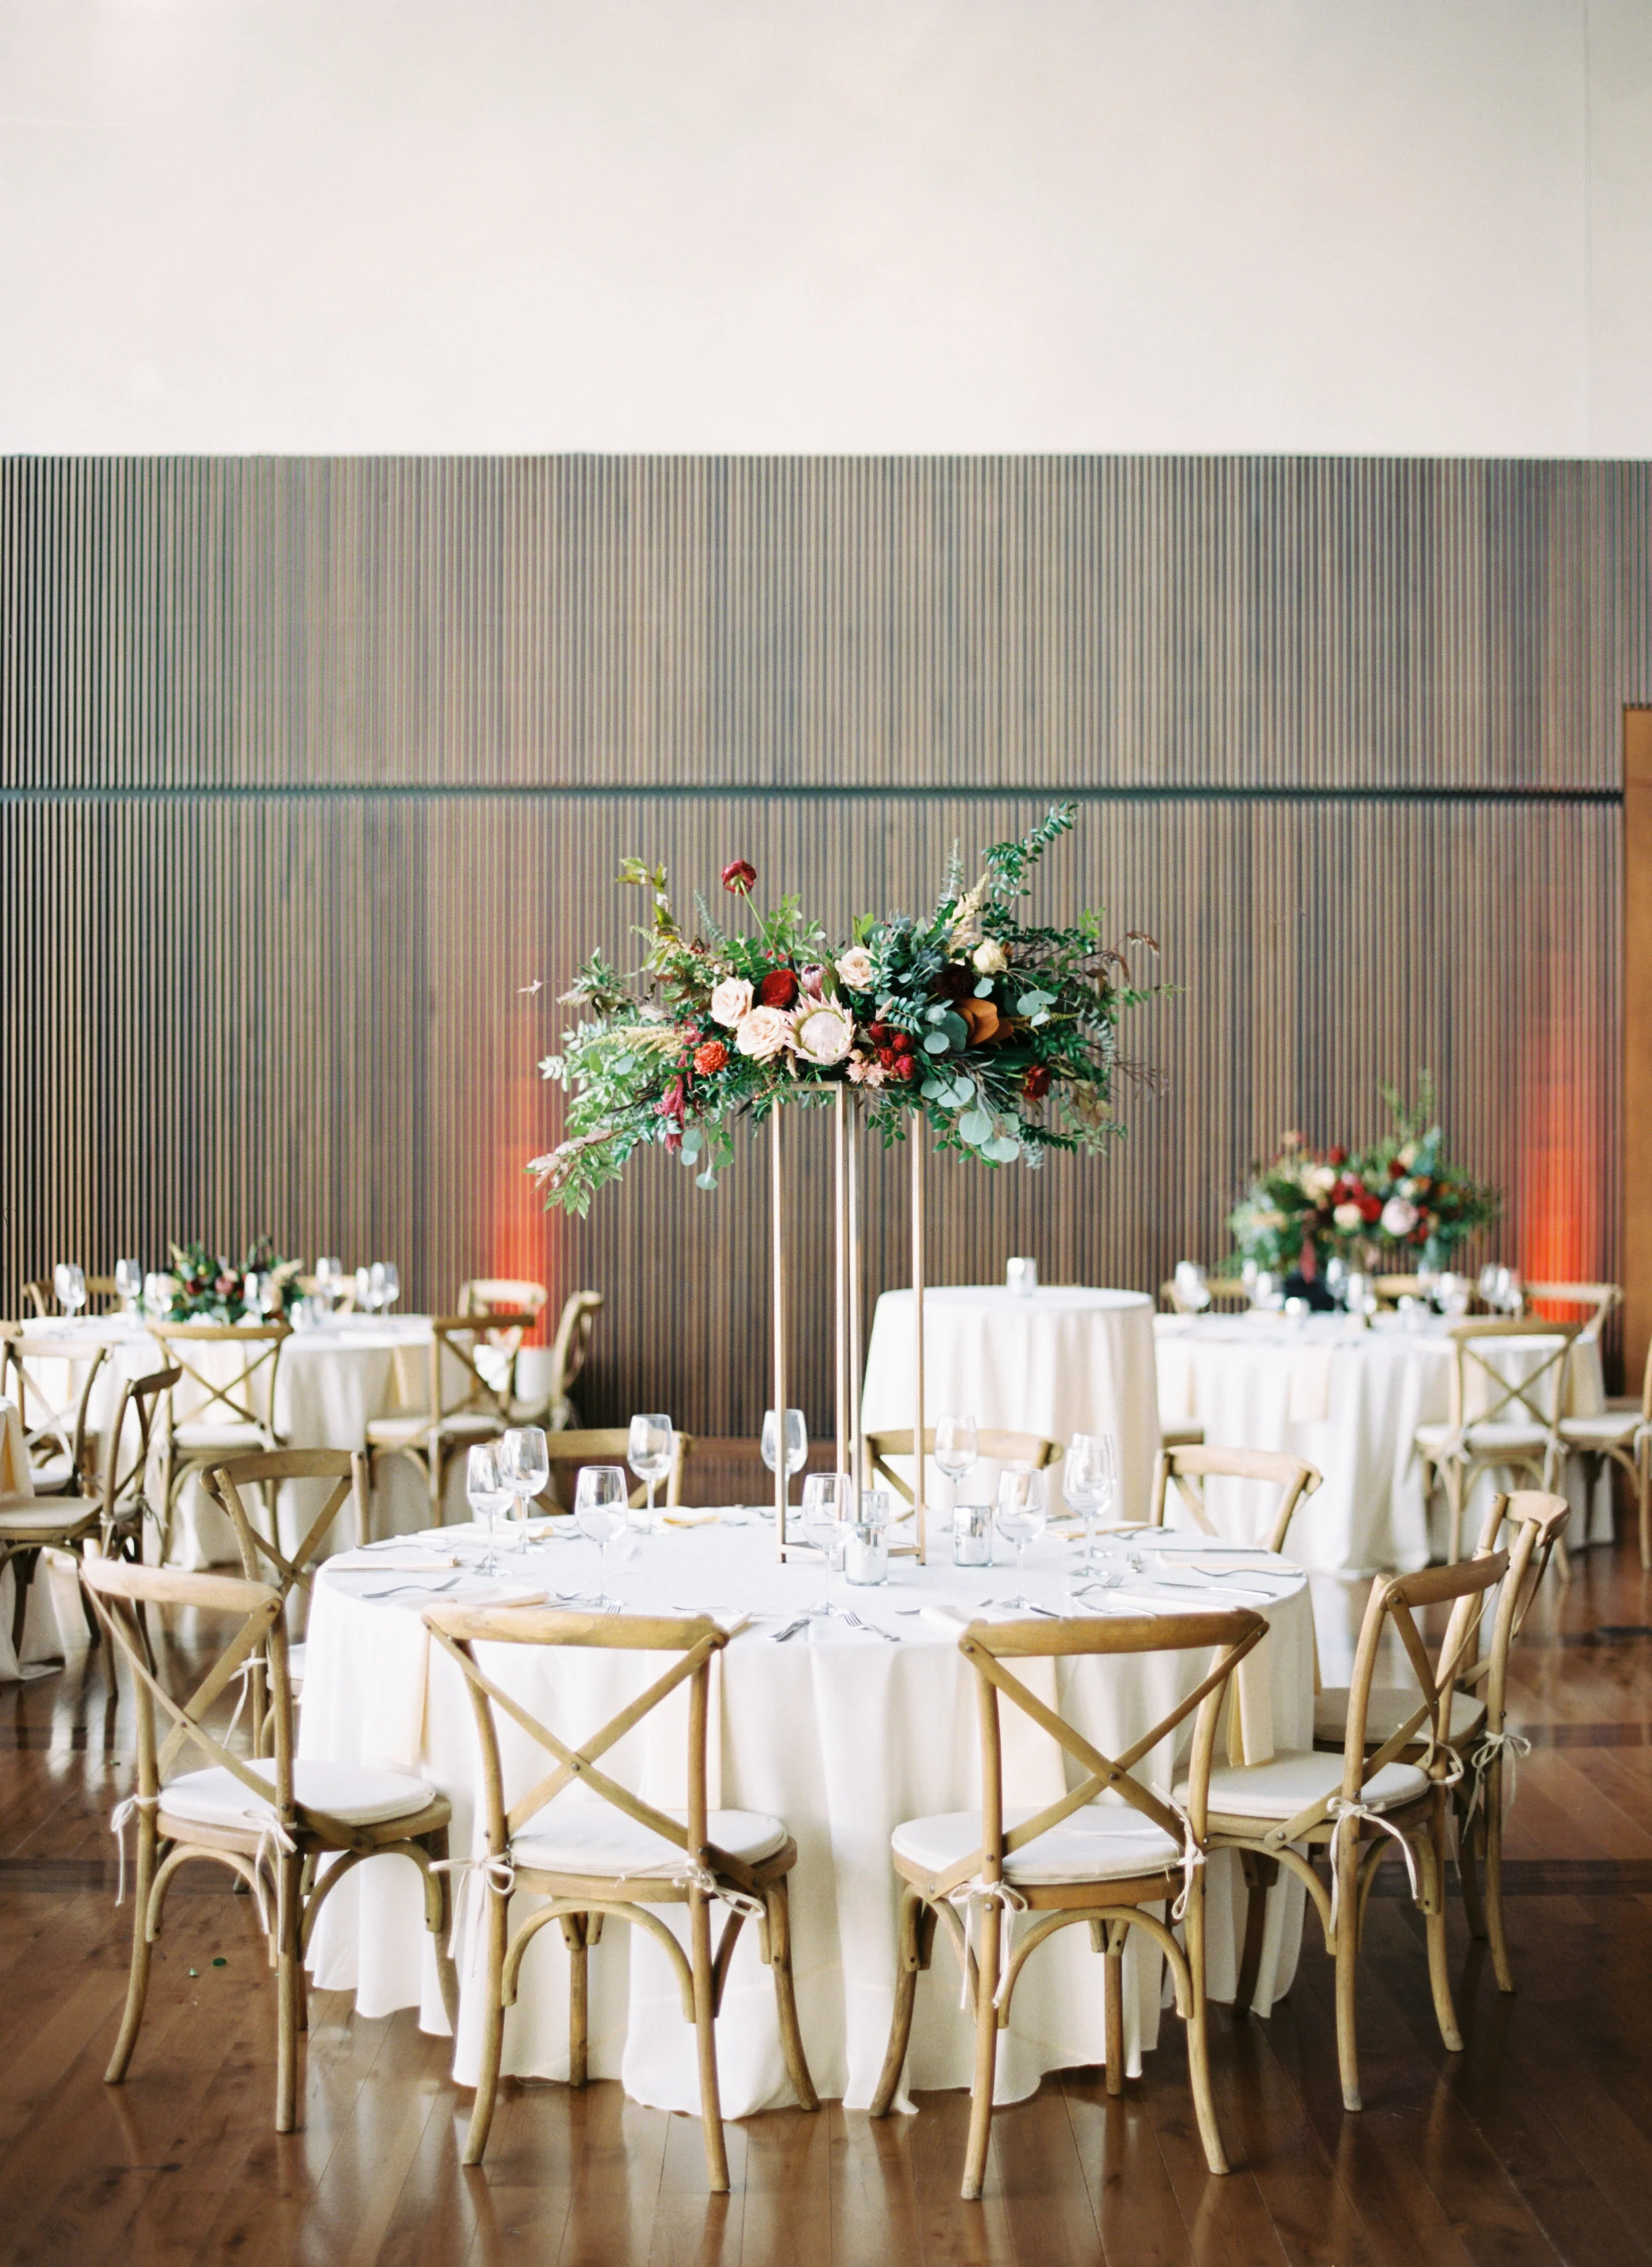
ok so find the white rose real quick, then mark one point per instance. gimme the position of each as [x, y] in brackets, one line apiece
[1408, 1155]
[764, 1032]
[990, 957]
[1398, 1217]
[854, 971]
[823, 1035]
[1319, 1180]
[1348, 1218]
[730, 1002]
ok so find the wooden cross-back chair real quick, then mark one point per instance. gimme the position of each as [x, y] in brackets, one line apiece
[1188, 1465]
[994, 1444]
[486, 1295]
[1362, 1804]
[469, 1397]
[1222, 1290]
[1622, 1434]
[235, 1487]
[112, 1507]
[1077, 1860]
[618, 1861]
[1517, 1426]
[269, 1821]
[1598, 1298]
[43, 1298]
[545, 1373]
[53, 1413]
[235, 1403]
[607, 1445]
[1478, 1727]
[338, 1290]
[1389, 1290]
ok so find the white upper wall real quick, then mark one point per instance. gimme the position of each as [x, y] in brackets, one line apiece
[1342, 226]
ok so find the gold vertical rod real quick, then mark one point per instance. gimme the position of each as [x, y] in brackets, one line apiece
[840, 1283]
[778, 1249]
[851, 1207]
[920, 1460]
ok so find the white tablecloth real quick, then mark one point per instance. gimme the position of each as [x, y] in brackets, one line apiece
[1349, 1401]
[55, 1626]
[1063, 1361]
[839, 1734]
[329, 1382]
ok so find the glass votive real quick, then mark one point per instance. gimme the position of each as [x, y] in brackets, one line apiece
[1021, 1276]
[972, 1535]
[867, 1554]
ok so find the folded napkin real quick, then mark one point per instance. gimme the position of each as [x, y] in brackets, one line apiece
[689, 1515]
[412, 1559]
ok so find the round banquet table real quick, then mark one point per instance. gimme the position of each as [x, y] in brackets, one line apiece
[836, 1732]
[1349, 1401]
[1059, 1361]
[329, 1382]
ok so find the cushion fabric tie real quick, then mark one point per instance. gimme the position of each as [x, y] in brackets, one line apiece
[1347, 1812]
[1514, 1745]
[118, 1819]
[700, 1877]
[978, 1895]
[499, 1871]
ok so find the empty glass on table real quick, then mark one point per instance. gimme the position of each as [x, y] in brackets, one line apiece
[488, 1492]
[599, 1514]
[828, 1508]
[650, 1448]
[525, 1462]
[796, 1442]
[1019, 1513]
[69, 1280]
[128, 1283]
[1089, 1481]
[1193, 1292]
[957, 1449]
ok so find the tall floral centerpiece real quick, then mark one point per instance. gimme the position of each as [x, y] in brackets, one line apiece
[1003, 1035]
[207, 1287]
[1426, 1206]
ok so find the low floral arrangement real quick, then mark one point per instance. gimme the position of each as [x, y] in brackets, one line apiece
[206, 1288]
[1002, 1035]
[1400, 1197]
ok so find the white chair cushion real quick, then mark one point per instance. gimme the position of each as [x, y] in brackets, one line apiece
[227, 1435]
[1391, 1706]
[354, 1793]
[586, 1839]
[1103, 1842]
[45, 1516]
[408, 1432]
[1298, 1776]
[395, 1432]
[51, 1473]
[1484, 1440]
[1616, 1427]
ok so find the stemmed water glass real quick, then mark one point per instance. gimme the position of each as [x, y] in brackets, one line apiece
[69, 1280]
[828, 1504]
[388, 1278]
[1020, 1514]
[650, 1450]
[488, 1492]
[957, 1448]
[796, 1442]
[1192, 1291]
[524, 1460]
[129, 1281]
[329, 1281]
[599, 1514]
[1089, 1481]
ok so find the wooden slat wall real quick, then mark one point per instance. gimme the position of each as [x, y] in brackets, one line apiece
[307, 766]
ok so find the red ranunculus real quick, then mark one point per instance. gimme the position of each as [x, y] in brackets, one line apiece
[711, 1057]
[887, 1057]
[1035, 1085]
[904, 1067]
[739, 878]
[902, 1042]
[1369, 1209]
[879, 1034]
[1337, 1157]
[778, 988]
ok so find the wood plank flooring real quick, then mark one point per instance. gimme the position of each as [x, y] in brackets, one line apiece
[1533, 2146]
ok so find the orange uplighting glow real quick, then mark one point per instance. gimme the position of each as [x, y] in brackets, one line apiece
[1557, 1210]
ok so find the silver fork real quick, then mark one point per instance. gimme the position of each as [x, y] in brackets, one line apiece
[427, 1590]
[854, 1620]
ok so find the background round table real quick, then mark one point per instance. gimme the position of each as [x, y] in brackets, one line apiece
[838, 1733]
[1059, 1361]
[1349, 1401]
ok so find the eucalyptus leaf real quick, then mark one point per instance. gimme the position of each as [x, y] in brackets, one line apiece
[956, 1029]
[962, 1094]
[975, 1126]
[693, 1143]
[934, 1015]
[983, 990]
[1002, 1149]
[624, 1063]
[936, 1042]
[708, 1179]
[936, 1089]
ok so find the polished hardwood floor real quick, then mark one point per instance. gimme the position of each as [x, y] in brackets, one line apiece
[1534, 2146]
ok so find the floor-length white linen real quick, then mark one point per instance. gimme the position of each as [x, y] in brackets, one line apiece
[843, 1737]
[1060, 1361]
[1349, 1401]
[54, 1624]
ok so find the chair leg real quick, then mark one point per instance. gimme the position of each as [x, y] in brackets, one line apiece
[1434, 1919]
[1469, 1844]
[1199, 2032]
[1491, 1830]
[22, 1577]
[779, 1904]
[439, 1914]
[910, 1961]
[1260, 1874]
[289, 1985]
[578, 2001]
[1643, 1504]
[706, 2030]
[986, 2053]
[1454, 1499]
[138, 1980]
[498, 1912]
[1113, 2008]
[1345, 1858]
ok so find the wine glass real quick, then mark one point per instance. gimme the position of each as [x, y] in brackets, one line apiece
[600, 1514]
[525, 1462]
[1020, 1514]
[796, 1442]
[253, 1295]
[69, 1280]
[650, 1450]
[488, 1493]
[828, 1503]
[1089, 1481]
[364, 1289]
[1021, 1276]
[129, 1281]
[388, 1284]
[1193, 1293]
[957, 1447]
[375, 1287]
[329, 1280]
